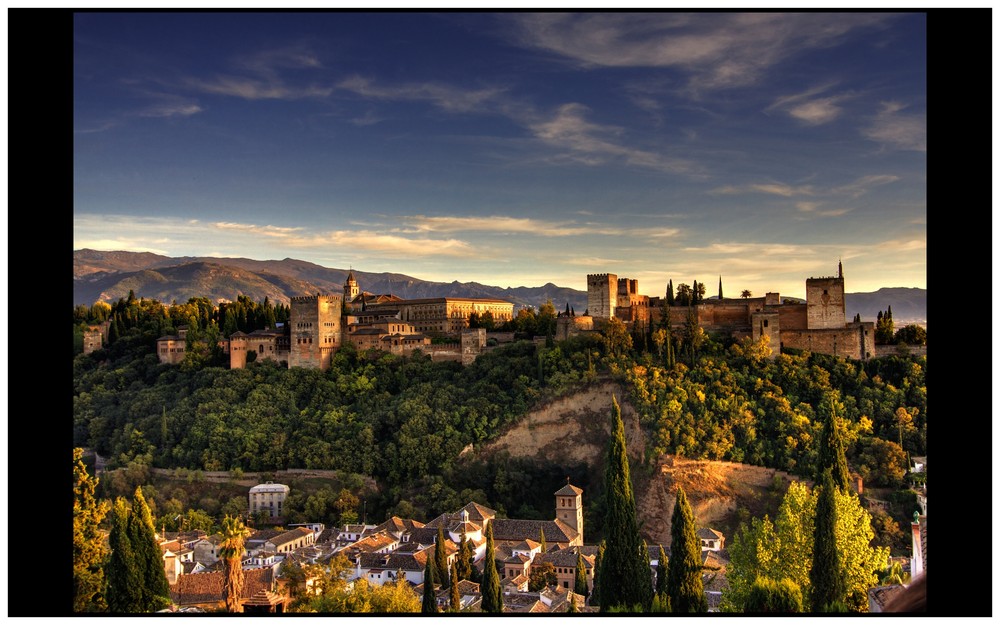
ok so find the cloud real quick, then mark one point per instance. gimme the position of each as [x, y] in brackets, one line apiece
[809, 109]
[895, 129]
[593, 144]
[717, 50]
[267, 231]
[903, 245]
[264, 76]
[528, 226]
[862, 185]
[771, 188]
[444, 96]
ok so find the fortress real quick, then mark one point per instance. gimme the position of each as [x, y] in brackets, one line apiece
[820, 325]
[319, 324]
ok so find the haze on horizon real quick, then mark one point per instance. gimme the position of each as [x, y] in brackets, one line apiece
[511, 149]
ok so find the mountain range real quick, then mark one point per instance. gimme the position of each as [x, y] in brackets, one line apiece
[107, 276]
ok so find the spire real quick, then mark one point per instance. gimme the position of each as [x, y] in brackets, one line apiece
[720, 287]
[840, 269]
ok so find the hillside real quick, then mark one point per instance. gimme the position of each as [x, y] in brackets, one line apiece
[574, 430]
[107, 276]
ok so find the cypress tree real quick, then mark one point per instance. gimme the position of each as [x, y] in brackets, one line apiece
[541, 539]
[684, 585]
[155, 590]
[89, 551]
[441, 558]
[465, 558]
[661, 574]
[580, 583]
[122, 572]
[831, 451]
[623, 563]
[826, 577]
[490, 587]
[720, 287]
[595, 593]
[454, 599]
[429, 604]
[670, 293]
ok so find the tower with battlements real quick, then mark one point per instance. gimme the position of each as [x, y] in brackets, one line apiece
[315, 330]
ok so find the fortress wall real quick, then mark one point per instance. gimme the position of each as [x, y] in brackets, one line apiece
[825, 303]
[793, 317]
[846, 342]
[602, 295]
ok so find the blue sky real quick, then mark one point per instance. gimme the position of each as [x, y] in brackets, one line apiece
[511, 148]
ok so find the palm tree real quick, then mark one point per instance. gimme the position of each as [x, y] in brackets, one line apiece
[234, 535]
[746, 294]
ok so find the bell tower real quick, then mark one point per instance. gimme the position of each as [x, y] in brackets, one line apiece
[569, 508]
[351, 289]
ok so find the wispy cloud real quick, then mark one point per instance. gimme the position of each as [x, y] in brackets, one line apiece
[810, 109]
[862, 185]
[718, 50]
[447, 97]
[526, 226]
[266, 231]
[893, 128]
[770, 188]
[594, 144]
[264, 76]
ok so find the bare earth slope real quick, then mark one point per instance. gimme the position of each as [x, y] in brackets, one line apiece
[574, 429]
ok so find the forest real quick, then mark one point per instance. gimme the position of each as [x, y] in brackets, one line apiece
[405, 421]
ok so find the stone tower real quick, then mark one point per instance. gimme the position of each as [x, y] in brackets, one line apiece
[569, 507]
[825, 302]
[315, 330]
[351, 289]
[602, 295]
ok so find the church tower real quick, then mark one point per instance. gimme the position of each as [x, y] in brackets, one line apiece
[351, 289]
[569, 507]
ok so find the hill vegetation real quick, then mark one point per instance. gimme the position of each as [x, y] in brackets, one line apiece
[432, 434]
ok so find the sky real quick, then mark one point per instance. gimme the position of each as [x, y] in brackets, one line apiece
[512, 148]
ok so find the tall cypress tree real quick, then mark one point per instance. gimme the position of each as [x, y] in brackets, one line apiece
[454, 599]
[661, 574]
[580, 583]
[670, 293]
[122, 572]
[89, 550]
[595, 593]
[541, 540]
[624, 569]
[490, 587]
[827, 575]
[155, 590]
[441, 558]
[684, 585]
[831, 451]
[429, 603]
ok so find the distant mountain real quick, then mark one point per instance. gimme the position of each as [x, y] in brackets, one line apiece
[909, 305]
[107, 276]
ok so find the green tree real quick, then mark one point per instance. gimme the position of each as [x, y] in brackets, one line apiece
[89, 550]
[542, 576]
[454, 599]
[826, 577]
[831, 450]
[617, 339]
[623, 560]
[155, 590]
[768, 596]
[490, 587]
[684, 585]
[234, 535]
[429, 604]
[670, 293]
[661, 574]
[683, 297]
[123, 572]
[465, 557]
[595, 592]
[746, 294]
[441, 557]
[541, 540]
[911, 334]
[580, 583]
